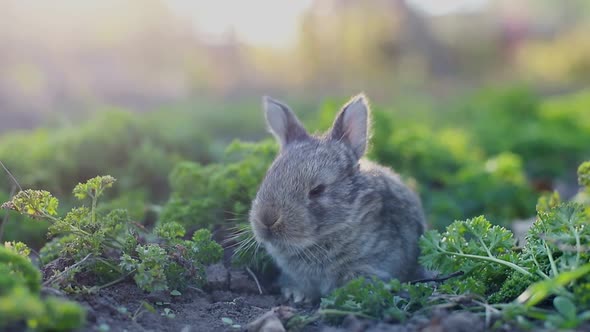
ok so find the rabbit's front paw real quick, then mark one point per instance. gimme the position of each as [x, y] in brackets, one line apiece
[295, 294]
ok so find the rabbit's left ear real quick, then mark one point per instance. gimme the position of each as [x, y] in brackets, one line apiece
[283, 123]
[351, 125]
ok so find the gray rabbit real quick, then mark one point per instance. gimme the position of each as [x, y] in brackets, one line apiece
[327, 216]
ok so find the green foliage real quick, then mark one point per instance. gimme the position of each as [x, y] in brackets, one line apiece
[135, 202]
[138, 149]
[54, 248]
[62, 315]
[375, 299]
[128, 145]
[17, 227]
[169, 266]
[548, 201]
[552, 263]
[221, 194]
[33, 203]
[19, 248]
[557, 240]
[107, 244]
[556, 244]
[20, 301]
[516, 283]
[549, 135]
[93, 188]
[170, 231]
[584, 175]
[496, 187]
[203, 196]
[539, 291]
[149, 267]
[20, 267]
[418, 151]
[482, 251]
[203, 249]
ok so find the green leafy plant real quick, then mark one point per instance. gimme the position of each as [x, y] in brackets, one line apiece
[203, 196]
[220, 195]
[552, 264]
[556, 244]
[375, 299]
[482, 251]
[105, 246]
[548, 134]
[584, 175]
[162, 267]
[20, 300]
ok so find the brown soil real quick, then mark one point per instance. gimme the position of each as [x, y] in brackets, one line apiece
[196, 311]
[193, 310]
[231, 301]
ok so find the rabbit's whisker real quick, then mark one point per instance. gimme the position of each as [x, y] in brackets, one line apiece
[234, 219]
[233, 238]
[234, 213]
[244, 244]
[238, 234]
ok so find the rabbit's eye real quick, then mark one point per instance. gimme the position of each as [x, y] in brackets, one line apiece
[317, 190]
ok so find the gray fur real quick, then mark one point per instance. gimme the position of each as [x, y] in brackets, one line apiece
[365, 222]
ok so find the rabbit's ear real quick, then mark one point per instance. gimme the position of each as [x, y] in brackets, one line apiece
[282, 122]
[351, 125]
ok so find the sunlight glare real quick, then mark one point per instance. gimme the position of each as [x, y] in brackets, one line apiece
[269, 23]
[444, 7]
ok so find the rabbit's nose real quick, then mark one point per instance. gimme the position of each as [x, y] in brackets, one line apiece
[269, 218]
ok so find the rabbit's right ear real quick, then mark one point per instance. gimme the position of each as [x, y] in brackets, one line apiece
[351, 125]
[282, 122]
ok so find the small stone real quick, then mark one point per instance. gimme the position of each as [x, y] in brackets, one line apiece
[272, 320]
[217, 277]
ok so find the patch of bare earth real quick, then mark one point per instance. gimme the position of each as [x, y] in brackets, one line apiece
[233, 303]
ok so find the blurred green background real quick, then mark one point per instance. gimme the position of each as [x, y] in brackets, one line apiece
[479, 104]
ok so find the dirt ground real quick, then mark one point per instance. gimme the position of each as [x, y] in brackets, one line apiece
[229, 306]
[193, 311]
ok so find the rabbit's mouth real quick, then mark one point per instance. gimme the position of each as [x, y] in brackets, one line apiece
[262, 234]
[277, 235]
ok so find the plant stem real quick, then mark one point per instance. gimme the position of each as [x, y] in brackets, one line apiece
[489, 259]
[116, 281]
[551, 261]
[578, 244]
[539, 271]
[115, 240]
[68, 269]
[11, 176]
[438, 279]
[50, 217]
[255, 279]
[107, 263]
[482, 243]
